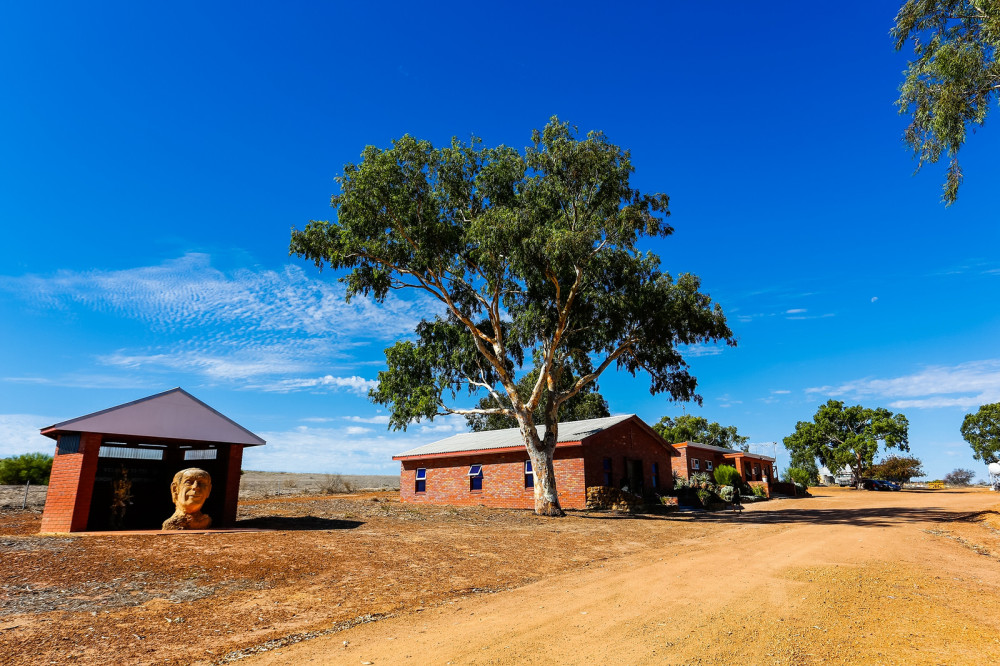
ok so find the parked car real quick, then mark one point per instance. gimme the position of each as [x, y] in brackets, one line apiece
[873, 484]
[892, 485]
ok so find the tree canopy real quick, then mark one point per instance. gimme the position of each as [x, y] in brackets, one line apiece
[535, 261]
[690, 428]
[848, 436]
[28, 467]
[897, 468]
[981, 430]
[587, 404]
[959, 477]
[953, 80]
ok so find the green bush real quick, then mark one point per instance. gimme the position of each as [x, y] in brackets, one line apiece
[33, 467]
[727, 475]
[726, 493]
[798, 476]
[759, 492]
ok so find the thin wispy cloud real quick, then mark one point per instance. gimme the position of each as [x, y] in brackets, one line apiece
[270, 330]
[966, 385]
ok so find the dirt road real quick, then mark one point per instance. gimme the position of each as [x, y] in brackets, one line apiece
[847, 577]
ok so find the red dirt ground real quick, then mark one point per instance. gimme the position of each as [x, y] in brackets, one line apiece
[847, 576]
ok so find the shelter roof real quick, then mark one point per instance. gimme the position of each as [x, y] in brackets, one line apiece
[570, 431]
[173, 414]
[722, 449]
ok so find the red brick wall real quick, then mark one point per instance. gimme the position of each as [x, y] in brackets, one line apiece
[67, 504]
[503, 480]
[630, 441]
[576, 468]
[682, 464]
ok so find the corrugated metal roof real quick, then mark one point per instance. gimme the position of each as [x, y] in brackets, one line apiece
[722, 449]
[571, 431]
[173, 414]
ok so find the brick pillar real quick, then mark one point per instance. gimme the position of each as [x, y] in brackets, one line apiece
[71, 485]
[234, 464]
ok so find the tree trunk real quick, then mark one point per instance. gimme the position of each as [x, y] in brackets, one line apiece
[546, 498]
[541, 455]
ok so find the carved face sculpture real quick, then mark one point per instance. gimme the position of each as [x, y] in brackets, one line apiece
[190, 489]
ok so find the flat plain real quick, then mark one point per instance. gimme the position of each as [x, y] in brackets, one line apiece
[842, 577]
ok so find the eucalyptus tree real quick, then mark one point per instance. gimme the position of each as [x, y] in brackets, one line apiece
[848, 436]
[981, 430]
[954, 79]
[587, 404]
[534, 259]
[690, 428]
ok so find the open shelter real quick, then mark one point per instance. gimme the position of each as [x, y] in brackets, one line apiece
[112, 469]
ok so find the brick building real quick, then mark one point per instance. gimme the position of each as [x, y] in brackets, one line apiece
[492, 468]
[112, 469]
[692, 457]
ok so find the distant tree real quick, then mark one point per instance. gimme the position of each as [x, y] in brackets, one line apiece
[982, 431]
[805, 460]
[848, 436]
[897, 468]
[587, 404]
[952, 82]
[959, 477]
[799, 476]
[690, 428]
[531, 255]
[33, 467]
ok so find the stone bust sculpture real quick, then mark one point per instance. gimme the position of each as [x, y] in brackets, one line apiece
[189, 490]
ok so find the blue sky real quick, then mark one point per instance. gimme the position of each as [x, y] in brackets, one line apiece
[157, 156]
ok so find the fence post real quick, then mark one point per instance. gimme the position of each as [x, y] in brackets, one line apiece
[24, 504]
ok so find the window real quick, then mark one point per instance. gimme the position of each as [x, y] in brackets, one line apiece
[695, 463]
[607, 471]
[475, 477]
[656, 475]
[421, 483]
[709, 465]
[68, 443]
[529, 475]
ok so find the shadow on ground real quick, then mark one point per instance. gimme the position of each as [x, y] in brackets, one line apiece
[865, 517]
[298, 523]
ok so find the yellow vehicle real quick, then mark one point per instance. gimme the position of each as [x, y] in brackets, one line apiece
[936, 485]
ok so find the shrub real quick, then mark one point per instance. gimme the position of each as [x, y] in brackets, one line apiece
[29, 467]
[726, 475]
[335, 484]
[726, 493]
[798, 476]
[759, 492]
[680, 483]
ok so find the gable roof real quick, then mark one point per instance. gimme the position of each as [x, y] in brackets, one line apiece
[722, 449]
[173, 414]
[570, 431]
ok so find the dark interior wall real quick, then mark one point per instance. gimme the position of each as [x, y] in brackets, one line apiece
[150, 503]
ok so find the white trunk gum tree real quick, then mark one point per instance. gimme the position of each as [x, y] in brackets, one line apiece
[532, 256]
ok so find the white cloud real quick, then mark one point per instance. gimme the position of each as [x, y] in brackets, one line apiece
[356, 430]
[19, 433]
[702, 350]
[965, 385]
[780, 392]
[381, 419]
[333, 450]
[355, 384]
[796, 311]
[262, 329]
[874, 298]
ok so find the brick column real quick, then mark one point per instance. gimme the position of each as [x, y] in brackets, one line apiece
[234, 464]
[71, 485]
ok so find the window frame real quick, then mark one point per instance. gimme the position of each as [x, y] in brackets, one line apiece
[709, 466]
[476, 476]
[696, 464]
[608, 468]
[420, 480]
